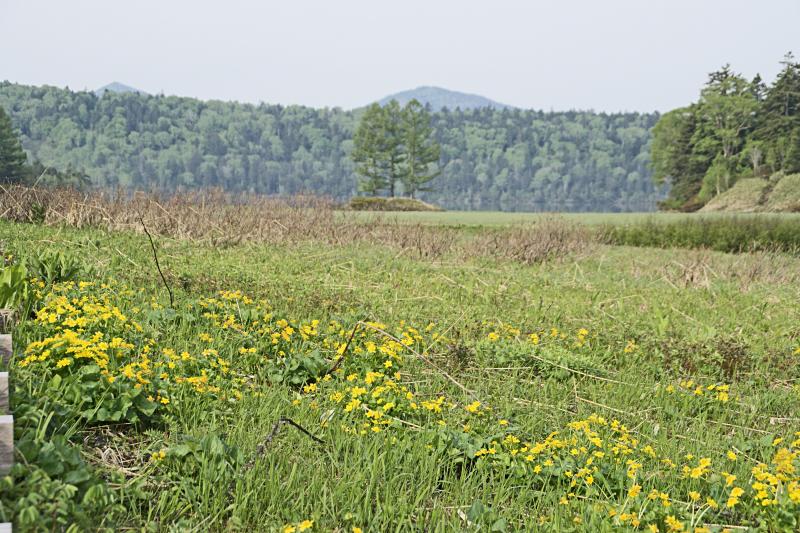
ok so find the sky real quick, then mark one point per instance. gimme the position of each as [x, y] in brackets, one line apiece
[610, 55]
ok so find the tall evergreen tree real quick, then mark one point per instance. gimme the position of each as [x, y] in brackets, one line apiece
[378, 148]
[12, 156]
[673, 158]
[393, 144]
[421, 151]
[369, 152]
[778, 120]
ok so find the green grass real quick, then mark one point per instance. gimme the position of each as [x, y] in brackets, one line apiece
[733, 234]
[653, 318]
[498, 218]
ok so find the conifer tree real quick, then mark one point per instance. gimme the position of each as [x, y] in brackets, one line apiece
[421, 152]
[12, 156]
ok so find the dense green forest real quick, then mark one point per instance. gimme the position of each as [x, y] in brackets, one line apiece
[738, 128]
[506, 159]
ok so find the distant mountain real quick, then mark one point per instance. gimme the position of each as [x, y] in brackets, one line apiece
[117, 87]
[439, 98]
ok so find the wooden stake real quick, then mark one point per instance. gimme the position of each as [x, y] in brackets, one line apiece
[3, 392]
[6, 443]
[5, 348]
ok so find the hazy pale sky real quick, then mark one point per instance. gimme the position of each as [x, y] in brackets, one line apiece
[609, 55]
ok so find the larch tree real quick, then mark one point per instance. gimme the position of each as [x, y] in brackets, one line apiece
[368, 151]
[421, 151]
[393, 144]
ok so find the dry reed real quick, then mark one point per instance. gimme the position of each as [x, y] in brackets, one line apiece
[222, 219]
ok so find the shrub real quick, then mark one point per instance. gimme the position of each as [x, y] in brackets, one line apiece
[376, 203]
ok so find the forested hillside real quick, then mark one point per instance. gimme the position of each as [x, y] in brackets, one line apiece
[738, 128]
[506, 159]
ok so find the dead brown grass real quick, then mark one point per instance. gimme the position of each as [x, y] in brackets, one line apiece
[222, 219]
[548, 239]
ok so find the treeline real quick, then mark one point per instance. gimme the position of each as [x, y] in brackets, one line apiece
[490, 159]
[738, 128]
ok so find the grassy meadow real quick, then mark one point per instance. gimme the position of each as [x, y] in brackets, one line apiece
[504, 218]
[363, 375]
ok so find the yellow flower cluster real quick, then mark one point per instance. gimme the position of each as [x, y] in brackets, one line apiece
[359, 380]
[594, 452]
[713, 391]
[305, 525]
[508, 332]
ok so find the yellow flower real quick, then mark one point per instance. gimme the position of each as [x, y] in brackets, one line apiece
[733, 499]
[731, 455]
[634, 491]
[673, 524]
[694, 495]
[357, 529]
[289, 529]
[493, 336]
[473, 407]
[305, 524]
[63, 362]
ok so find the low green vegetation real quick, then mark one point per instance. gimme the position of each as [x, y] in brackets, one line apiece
[502, 218]
[780, 194]
[785, 196]
[746, 196]
[734, 234]
[379, 203]
[318, 379]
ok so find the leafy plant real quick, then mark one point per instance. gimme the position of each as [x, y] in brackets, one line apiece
[55, 267]
[298, 370]
[13, 286]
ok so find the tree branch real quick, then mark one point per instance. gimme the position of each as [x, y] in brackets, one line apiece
[158, 266]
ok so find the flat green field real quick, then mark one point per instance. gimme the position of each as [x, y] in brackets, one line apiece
[499, 218]
[303, 384]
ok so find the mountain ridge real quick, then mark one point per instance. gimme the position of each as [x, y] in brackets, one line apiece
[439, 97]
[117, 87]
